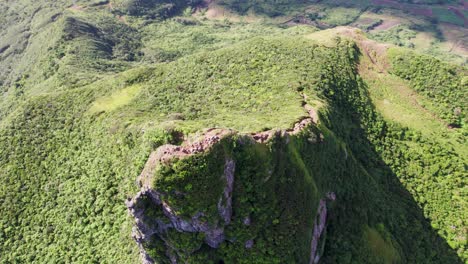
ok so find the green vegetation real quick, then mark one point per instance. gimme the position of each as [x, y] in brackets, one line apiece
[147, 9]
[444, 84]
[198, 178]
[401, 149]
[381, 244]
[419, 174]
[116, 100]
[263, 81]
[400, 35]
[446, 15]
[63, 183]
[89, 90]
[270, 8]
[280, 217]
[341, 16]
[172, 39]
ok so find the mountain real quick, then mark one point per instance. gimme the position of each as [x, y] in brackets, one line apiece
[233, 132]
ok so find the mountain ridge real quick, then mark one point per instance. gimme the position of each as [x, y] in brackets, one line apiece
[97, 92]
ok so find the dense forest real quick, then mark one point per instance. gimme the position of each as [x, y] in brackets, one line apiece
[444, 84]
[92, 89]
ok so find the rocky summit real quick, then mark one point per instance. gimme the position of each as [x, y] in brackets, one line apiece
[233, 131]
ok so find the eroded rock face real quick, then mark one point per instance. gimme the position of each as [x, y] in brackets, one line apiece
[225, 203]
[163, 231]
[146, 227]
[320, 225]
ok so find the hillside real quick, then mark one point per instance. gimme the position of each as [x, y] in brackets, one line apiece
[232, 132]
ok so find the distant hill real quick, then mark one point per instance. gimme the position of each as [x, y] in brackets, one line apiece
[137, 131]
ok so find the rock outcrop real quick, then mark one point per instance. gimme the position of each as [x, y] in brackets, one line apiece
[145, 228]
[320, 225]
[155, 216]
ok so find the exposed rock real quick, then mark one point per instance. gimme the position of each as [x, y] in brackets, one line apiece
[214, 237]
[298, 127]
[320, 224]
[140, 232]
[312, 113]
[265, 136]
[249, 244]
[214, 232]
[225, 210]
[246, 221]
[210, 137]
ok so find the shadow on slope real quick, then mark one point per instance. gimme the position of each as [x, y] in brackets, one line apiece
[390, 209]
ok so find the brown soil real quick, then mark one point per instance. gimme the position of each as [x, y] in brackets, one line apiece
[122, 19]
[375, 51]
[366, 20]
[214, 13]
[363, 22]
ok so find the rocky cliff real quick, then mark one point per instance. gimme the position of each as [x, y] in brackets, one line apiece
[167, 208]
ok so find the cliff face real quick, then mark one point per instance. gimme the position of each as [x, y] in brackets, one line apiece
[322, 191]
[336, 191]
[230, 196]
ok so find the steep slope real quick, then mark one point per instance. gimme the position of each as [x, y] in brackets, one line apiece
[69, 146]
[253, 144]
[388, 219]
[50, 142]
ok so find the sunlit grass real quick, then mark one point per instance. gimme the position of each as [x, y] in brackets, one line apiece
[381, 247]
[116, 100]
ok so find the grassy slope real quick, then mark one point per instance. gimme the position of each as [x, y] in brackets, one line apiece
[398, 102]
[400, 105]
[399, 24]
[83, 148]
[356, 172]
[80, 202]
[394, 98]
